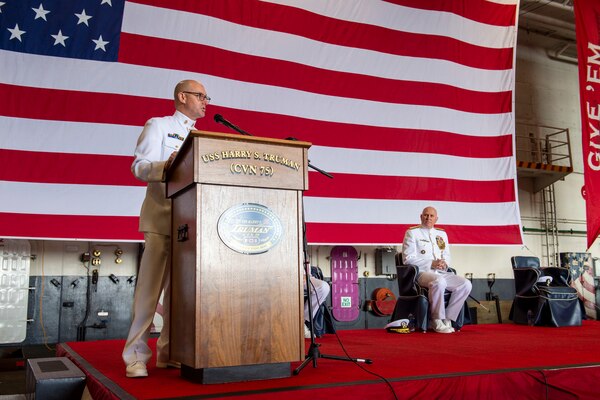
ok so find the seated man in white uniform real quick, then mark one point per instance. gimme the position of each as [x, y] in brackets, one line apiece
[426, 247]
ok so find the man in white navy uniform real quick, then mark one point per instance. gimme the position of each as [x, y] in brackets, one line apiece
[426, 247]
[156, 148]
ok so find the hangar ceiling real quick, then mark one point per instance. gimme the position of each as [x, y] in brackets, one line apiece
[551, 25]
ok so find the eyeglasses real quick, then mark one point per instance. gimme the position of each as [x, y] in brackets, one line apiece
[200, 96]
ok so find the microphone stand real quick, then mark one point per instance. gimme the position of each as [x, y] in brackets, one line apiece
[319, 170]
[327, 174]
[313, 353]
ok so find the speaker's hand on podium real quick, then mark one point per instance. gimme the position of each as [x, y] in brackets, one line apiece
[170, 160]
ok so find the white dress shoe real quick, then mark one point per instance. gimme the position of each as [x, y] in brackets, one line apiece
[136, 369]
[448, 324]
[439, 326]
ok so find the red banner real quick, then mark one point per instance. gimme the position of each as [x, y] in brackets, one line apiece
[587, 15]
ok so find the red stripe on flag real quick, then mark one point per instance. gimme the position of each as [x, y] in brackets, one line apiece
[43, 167]
[486, 12]
[335, 31]
[409, 188]
[345, 135]
[115, 170]
[269, 71]
[71, 105]
[588, 286]
[321, 233]
[57, 105]
[70, 226]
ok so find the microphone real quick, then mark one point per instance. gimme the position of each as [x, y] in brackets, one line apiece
[219, 119]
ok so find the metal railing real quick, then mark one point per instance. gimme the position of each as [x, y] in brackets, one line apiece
[543, 144]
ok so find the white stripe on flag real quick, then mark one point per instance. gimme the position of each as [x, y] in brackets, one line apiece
[124, 79]
[192, 28]
[407, 19]
[369, 211]
[68, 137]
[388, 163]
[63, 199]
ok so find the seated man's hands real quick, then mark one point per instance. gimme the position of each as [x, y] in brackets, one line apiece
[439, 265]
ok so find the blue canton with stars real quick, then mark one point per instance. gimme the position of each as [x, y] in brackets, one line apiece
[85, 29]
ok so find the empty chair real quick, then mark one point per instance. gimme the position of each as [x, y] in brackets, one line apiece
[543, 295]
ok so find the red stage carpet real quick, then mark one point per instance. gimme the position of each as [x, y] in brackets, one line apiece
[492, 361]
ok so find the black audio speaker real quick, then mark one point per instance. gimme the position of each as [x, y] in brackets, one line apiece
[55, 378]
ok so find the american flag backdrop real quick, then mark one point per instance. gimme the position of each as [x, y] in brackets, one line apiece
[407, 103]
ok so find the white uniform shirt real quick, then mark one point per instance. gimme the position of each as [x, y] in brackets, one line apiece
[160, 138]
[421, 246]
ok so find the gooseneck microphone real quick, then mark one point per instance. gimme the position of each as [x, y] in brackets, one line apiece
[219, 119]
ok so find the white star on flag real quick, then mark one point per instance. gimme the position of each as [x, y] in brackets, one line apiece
[15, 33]
[106, 2]
[83, 18]
[100, 43]
[60, 38]
[40, 12]
[1, 4]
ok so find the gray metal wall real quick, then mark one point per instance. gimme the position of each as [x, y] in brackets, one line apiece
[69, 310]
[61, 314]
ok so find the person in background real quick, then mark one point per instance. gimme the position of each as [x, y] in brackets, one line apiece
[319, 290]
[156, 148]
[426, 247]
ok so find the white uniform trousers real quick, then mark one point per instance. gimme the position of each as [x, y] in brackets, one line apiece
[437, 283]
[154, 276]
[319, 291]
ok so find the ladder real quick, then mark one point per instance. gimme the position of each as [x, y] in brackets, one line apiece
[549, 227]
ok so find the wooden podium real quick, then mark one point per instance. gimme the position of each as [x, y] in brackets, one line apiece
[237, 289]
